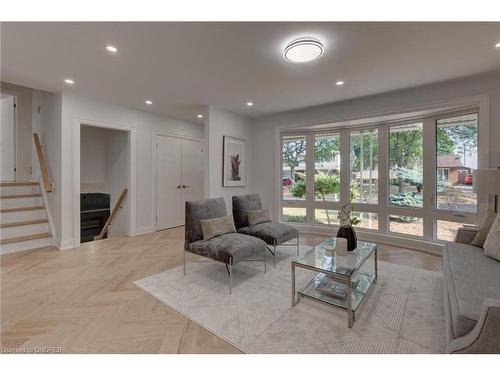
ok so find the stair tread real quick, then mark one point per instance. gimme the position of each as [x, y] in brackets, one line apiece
[26, 222]
[25, 238]
[16, 209]
[18, 183]
[20, 196]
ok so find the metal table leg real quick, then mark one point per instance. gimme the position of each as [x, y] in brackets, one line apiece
[350, 313]
[293, 285]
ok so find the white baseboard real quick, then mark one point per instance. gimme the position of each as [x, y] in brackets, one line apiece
[65, 244]
[143, 230]
[382, 238]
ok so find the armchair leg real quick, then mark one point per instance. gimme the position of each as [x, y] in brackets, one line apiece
[230, 278]
[274, 255]
[184, 261]
[298, 245]
[265, 261]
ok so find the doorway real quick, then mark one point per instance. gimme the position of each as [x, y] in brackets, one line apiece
[8, 137]
[104, 166]
[179, 178]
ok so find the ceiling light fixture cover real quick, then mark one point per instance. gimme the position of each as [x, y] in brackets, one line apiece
[339, 83]
[303, 50]
[111, 48]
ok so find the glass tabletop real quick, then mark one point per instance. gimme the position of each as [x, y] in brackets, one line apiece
[326, 260]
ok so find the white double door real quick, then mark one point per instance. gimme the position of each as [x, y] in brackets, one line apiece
[179, 178]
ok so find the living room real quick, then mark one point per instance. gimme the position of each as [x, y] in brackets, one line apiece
[330, 188]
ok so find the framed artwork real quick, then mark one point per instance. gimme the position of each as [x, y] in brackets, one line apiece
[234, 169]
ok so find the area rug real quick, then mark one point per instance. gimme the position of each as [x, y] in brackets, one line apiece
[402, 314]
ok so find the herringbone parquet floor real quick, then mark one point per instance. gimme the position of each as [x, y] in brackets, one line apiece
[83, 300]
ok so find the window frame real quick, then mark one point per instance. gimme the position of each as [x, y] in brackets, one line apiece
[428, 212]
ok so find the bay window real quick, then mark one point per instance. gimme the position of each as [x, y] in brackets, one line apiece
[409, 178]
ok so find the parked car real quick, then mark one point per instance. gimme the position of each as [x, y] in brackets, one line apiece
[287, 182]
[468, 180]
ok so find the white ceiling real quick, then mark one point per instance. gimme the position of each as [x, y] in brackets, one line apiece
[183, 67]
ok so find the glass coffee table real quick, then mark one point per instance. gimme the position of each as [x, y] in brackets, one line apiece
[340, 282]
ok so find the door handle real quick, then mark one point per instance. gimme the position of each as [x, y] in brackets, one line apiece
[185, 186]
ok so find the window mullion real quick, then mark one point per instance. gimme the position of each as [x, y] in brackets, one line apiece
[383, 177]
[429, 177]
[310, 170]
[344, 166]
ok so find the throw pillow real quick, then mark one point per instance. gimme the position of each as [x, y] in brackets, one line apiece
[258, 216]
[217, 227]
[484, 229]
[492, 243]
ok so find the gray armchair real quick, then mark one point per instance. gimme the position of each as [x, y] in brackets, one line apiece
[229, 248]
[274, 234]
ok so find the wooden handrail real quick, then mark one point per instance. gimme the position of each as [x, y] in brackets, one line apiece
[43, 164]
[116, 207]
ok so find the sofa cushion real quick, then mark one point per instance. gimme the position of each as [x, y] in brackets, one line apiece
[233, 246]
[470, 277]
[484, 229]
[272, 233]
[492, 243]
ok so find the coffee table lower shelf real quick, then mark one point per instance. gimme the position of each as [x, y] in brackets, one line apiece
[360, 289]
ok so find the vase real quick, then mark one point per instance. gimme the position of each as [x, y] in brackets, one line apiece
[350, 235]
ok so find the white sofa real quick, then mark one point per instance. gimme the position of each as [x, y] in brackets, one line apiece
[471, 283]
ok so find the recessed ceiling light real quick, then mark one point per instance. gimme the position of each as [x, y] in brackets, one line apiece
[149, 102]
[199, 115]
[303, 50]
[339, 83]
[497, 45]
[69, 81]
[249, 104]
[112, 49]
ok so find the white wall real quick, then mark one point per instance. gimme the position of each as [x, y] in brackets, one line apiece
[265, 127]
[218, 124]
[92, 159]
[77, 107]
[46, 120]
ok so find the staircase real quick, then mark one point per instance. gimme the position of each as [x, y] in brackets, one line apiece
[24, 222]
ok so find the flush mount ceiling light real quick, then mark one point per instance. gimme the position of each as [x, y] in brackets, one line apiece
[497, 45]
[149, 102]
[111, 49]
[339, 83]
[69, 81]
[303, 50]
[249, 104]
[199, 115]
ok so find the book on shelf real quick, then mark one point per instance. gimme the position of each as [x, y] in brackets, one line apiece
[332, 287]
